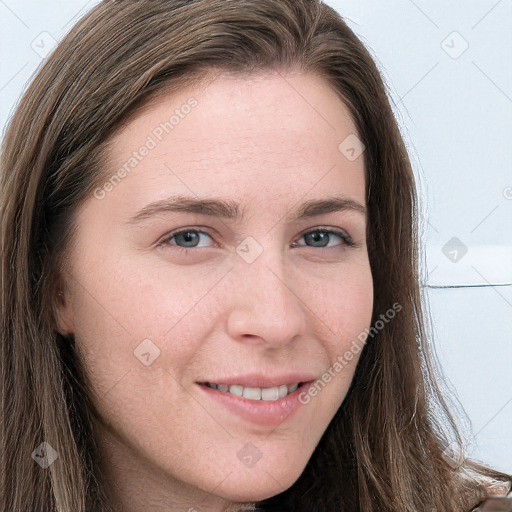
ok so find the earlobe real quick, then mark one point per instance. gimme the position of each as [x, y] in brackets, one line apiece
[62, 310]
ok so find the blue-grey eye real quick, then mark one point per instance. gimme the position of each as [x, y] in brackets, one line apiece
[321, 238]
[186, 239]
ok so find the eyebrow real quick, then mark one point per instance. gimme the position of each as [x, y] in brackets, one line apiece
[230, 210]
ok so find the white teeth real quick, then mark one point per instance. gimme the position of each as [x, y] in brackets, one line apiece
[283, 391]
[270, 394]
[235, 389]
[252, 393]
[265, 394]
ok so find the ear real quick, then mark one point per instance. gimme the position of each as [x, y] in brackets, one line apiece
[62, 307]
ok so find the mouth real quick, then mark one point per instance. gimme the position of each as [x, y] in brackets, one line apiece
[269, 394]
[264, 406]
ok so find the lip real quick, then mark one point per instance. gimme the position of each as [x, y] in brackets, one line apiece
[260, 412]
[255, 380]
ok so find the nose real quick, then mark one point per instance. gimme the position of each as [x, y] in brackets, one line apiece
[264, 308]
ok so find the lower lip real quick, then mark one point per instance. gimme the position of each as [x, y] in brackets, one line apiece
[261, 412]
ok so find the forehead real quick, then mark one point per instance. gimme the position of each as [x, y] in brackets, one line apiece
[258, 135]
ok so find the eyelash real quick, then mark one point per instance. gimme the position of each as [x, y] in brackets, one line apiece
[346, 240]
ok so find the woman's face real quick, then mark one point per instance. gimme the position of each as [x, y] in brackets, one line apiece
[194, 263]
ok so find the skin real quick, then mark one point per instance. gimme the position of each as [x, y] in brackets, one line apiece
[269, 142]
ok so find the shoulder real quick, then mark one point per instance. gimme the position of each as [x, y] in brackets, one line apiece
[497, 488]
[495, 505]
[494, 491]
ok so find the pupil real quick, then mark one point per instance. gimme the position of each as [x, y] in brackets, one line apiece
[188, 236]
[319, 237]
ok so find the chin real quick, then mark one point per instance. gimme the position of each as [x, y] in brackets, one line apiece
[265, 484]
[254, 495]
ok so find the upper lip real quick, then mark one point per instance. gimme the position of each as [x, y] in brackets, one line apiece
[255, 380]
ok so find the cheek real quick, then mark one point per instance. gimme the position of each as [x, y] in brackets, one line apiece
[129, 314]
[345, 306]
[342, 310]
[344, 303]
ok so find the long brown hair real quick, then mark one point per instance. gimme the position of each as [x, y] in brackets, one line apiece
[385, 448]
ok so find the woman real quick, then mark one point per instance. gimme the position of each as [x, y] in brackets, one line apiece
[253, 369]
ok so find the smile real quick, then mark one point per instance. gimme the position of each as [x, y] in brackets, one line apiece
[255, 393]
[265, 406]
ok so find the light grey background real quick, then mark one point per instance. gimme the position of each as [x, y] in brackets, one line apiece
[448, 68]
